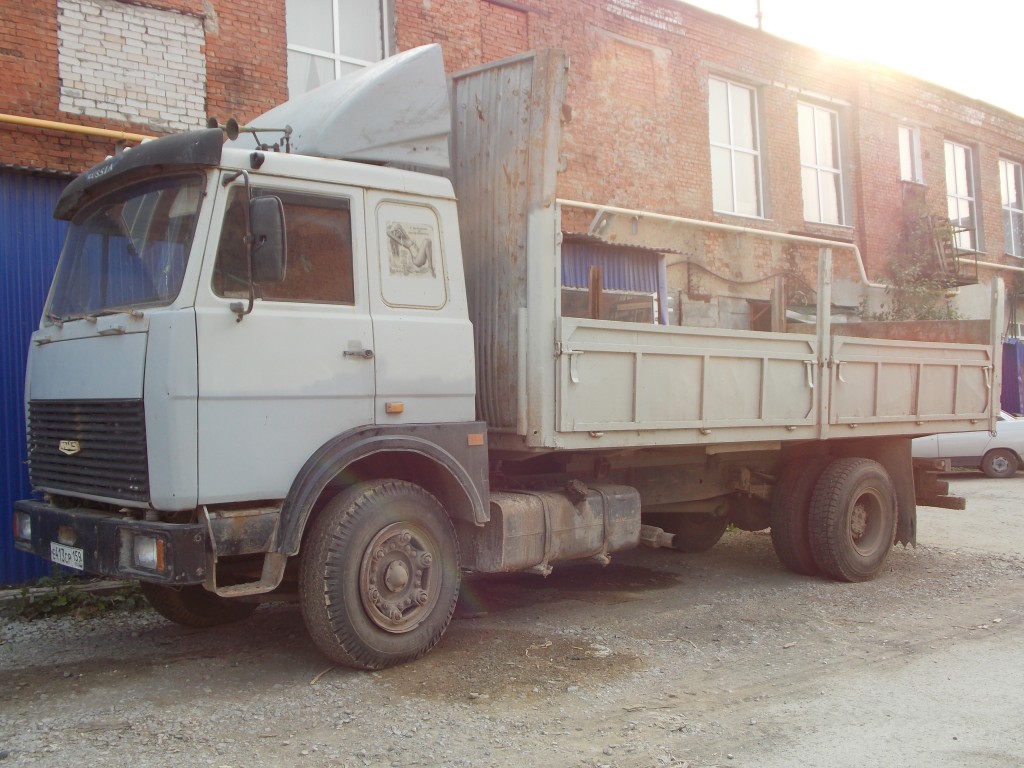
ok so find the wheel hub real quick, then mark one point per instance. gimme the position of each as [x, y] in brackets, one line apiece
[397, 577]
[859, 522]
[397, 587]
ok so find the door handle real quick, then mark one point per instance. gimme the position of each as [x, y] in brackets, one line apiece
[362, 354]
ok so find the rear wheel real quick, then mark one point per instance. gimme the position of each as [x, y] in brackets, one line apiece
[1000, 463]
[193, 606]
[749, 513]
[693, 532]
[852, 519]
[791, 504]
[379, 575]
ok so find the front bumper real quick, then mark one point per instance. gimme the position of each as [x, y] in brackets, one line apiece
[108, 542]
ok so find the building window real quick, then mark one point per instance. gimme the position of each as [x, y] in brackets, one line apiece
[735, 148]
[820, 168]
[1011, 186]
[330, 38]
[960, 196]
[910, 154]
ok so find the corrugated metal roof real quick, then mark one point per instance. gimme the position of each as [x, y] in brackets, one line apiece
[625, 268]
[31, 169]
[30, 242]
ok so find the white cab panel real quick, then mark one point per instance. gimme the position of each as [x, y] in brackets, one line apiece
[422, 335]
[171, 388]
[80, 364]
[276, 386]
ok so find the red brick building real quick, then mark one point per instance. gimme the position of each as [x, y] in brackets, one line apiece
[673, 109]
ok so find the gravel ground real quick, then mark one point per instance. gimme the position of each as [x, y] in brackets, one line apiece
[660, 659]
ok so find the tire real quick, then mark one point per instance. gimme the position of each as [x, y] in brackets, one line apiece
[694, 532]
[852, 519]
[193, 606]
[790, 510]
[749, 513]
[1000, 463]
[379, 575]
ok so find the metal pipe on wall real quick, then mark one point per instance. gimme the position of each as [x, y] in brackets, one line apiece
[52, 125]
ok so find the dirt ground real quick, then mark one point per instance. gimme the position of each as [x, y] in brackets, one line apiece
[660, 659]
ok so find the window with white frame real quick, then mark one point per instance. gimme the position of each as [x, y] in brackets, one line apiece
[961, 203]
[910, 154]
[821, 172]
[735, 148]
[330, 38]
[1011, 186]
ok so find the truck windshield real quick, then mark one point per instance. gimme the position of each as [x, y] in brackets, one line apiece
[128, 249]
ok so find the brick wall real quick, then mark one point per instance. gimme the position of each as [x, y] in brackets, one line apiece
[639, 130]
[638, 93]
[131, 64]
[147, 74]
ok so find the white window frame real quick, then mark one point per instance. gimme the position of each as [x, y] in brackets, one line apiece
[969, 239]
[909, 139]
[735, 149]
[338, 58]
[823, 167]
[1012, 211]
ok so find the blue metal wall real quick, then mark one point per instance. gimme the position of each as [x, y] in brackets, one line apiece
[625, 269]
[30, 241]
[1012, 398]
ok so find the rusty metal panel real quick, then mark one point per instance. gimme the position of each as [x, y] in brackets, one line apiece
[505, 138]
[30, 242]
[533, 529]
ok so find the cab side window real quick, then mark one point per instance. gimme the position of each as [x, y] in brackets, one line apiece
[319, 238]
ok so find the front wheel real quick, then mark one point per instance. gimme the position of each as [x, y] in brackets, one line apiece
[1000, 463]
[852, 519]
[193, 606]
[379, 575]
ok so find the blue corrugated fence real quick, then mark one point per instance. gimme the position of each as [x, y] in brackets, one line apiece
[30, 242]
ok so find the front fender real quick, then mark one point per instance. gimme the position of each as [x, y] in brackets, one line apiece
[457, 451]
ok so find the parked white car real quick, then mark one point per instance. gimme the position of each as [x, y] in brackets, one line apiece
[998, 455]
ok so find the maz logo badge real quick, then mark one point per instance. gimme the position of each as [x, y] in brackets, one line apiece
[69, 447]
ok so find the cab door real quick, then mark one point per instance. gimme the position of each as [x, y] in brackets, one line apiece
[298, 370]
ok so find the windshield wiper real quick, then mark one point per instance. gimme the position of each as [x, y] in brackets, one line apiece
[91, 317]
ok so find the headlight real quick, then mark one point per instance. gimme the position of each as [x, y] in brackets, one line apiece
[148, 552]
[22, 526]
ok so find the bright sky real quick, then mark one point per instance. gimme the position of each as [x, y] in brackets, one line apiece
[973, 47]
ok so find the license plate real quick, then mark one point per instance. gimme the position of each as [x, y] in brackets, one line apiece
[69, 557]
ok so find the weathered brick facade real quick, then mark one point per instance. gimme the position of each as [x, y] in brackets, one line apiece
[194, 59]
[638, 135]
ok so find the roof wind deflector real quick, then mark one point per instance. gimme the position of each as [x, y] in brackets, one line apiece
[394, 111]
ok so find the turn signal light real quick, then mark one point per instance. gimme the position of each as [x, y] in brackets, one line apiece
[148, 552]
[22, 526]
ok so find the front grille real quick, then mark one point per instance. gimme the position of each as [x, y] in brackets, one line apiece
[110, 438]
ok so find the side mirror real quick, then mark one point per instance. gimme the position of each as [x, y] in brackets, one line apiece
[269, 247]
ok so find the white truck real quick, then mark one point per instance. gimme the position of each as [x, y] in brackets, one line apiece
[362, 359]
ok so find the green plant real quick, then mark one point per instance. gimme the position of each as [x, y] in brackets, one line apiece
[921, 277]
[57, 595]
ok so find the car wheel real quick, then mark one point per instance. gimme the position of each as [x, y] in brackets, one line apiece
[380, 577]
[852, 519]
[1000, 463]
[790, 510]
